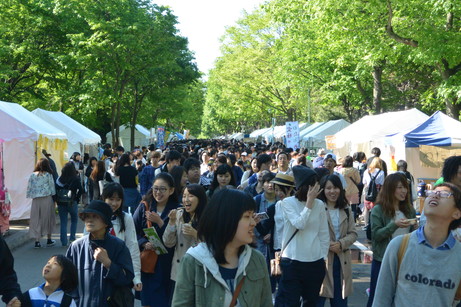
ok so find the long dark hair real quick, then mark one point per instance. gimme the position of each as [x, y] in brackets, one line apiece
[386, 195]
[43, 165]
[124, 159]
[98, 171]
[110, 189]
[218, 224]
[198, 191]
[177, 173]
[149, 197]
[68, 173]
[221, 170]
[341, 202]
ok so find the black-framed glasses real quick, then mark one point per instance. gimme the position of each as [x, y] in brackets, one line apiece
[441, 194]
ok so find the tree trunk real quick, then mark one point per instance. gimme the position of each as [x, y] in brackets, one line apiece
[377, 89]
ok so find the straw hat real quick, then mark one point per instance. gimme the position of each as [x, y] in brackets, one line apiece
[284, 179]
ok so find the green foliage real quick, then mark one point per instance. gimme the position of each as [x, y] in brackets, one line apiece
[102, 62]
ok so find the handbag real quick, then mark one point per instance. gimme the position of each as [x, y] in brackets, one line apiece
[148, 257]
[121, 297]
[101, 184]
[276, 270]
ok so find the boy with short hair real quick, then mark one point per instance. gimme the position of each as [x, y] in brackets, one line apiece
[429, 273]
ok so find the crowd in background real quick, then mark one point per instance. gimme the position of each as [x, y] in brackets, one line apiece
[223, 212]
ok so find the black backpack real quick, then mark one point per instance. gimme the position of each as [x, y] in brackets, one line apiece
[64, 196]
[372, 192]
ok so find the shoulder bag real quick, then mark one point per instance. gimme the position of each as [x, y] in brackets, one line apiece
[148, 257]
[276, 270]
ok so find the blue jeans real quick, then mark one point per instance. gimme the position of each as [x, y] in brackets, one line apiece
[300, 283]
[337, 300]
[375, 267]
[63, 210]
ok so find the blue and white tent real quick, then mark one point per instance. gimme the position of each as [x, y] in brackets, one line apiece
[437, 130]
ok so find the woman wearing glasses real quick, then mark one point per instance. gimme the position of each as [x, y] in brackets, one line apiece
[392, 215]
[154, 210]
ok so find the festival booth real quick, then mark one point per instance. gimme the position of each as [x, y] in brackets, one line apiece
[79, 138]
[141, 136]
[23, 136]
[309, 129]
[373, 131]
[316, 139]
[426, 146]
[236, 136]
[255, 135]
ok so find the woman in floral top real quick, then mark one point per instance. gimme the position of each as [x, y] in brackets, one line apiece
[42, 214]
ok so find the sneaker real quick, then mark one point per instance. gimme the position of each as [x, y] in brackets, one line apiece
[37, 245]
[50, 243]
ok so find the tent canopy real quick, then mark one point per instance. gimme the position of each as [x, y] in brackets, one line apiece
[76, 132]
[373, 127]
[20, 124]
[309, 129]
[141, 136]
[316, 138]
[437, 130]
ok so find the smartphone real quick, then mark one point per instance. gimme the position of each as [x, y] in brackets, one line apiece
[262, 216]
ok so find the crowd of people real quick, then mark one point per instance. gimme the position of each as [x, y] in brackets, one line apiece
[201, 223]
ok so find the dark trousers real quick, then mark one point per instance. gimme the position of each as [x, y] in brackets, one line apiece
[375, 267]
[337, 300]
[300, 280]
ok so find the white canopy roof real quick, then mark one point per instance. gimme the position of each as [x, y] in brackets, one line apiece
[76, 132]
[20, 124]
[316, 138]
[309, 129]
[259, 132]
[141, 135]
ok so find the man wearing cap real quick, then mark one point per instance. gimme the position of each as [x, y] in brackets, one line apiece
[103, 261]
[318, 162]
[330, 163]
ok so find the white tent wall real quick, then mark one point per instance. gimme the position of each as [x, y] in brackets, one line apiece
[140, 138]
[16, 178]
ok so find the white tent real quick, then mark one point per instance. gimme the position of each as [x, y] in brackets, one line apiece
[236, 136]
[141, 136]
[316, 137]
[372, 131]
[257, 133]
[309, 129]
[77, 135]
[23, 135]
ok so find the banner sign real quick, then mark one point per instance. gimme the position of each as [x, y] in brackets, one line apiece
[160, 137]
[292, 135]
[434, 156]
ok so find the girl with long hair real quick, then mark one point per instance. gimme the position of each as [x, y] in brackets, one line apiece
[128, 178]
[181, 232]
[98, 176]
[389, 218]
[70, 181]
[223, 177]
[41, 189]
[123, 227]
[155, 208]
[180, 180]
[337, 285]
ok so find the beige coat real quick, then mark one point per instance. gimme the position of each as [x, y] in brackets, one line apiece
[348, 173]
[348, 236]
[173, 237]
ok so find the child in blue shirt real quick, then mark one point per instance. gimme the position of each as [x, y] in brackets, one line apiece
[60, 277]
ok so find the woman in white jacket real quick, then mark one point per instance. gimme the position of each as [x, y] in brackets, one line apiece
[305, 242]
[123, 227]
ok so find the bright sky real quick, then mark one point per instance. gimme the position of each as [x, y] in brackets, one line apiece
[203, 22]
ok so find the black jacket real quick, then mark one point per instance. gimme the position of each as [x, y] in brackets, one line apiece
[9, 286]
